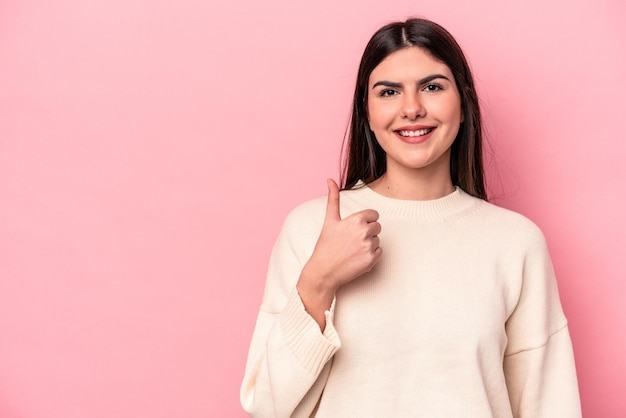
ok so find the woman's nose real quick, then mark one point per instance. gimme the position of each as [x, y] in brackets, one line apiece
[412, 107]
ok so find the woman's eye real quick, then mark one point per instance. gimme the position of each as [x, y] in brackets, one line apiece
[388, 93]
[433, 87]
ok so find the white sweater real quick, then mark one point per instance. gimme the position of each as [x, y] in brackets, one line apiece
[460, 318]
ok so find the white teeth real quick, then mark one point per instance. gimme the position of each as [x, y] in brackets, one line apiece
[419, 132]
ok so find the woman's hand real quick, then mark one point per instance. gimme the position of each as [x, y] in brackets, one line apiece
[345, 249]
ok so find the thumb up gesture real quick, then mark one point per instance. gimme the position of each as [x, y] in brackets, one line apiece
[345, 249]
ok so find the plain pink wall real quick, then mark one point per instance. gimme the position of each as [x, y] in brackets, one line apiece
[149, 151]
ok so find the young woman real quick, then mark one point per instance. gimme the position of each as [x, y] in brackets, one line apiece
[407, 294]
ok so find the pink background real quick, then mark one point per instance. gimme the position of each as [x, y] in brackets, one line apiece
[149, 151]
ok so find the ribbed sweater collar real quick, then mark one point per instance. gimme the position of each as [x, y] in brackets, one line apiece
[436, 210]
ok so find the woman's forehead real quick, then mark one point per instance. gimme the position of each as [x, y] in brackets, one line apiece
[410, 62]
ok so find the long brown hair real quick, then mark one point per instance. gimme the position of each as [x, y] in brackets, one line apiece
[365, 160]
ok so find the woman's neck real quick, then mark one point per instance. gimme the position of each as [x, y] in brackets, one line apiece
[413, 184]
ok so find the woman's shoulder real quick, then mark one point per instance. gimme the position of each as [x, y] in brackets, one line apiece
[308, 215]
[494, 209]
[504, 221]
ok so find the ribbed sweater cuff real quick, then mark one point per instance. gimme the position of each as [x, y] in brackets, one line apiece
[303, 337]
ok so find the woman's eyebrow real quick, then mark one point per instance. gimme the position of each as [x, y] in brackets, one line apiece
[387, 84]
[424, 80]
[431, 77]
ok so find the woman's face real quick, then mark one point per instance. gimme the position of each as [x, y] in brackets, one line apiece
[414, 109]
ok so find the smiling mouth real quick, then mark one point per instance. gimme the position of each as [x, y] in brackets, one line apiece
[411, 134]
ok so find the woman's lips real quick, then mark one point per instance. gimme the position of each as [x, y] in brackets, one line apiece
[414, 135]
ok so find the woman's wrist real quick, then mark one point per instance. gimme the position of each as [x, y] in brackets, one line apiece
[316, 296]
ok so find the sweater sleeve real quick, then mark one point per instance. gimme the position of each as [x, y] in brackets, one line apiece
[289, 358]
[539, 362]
